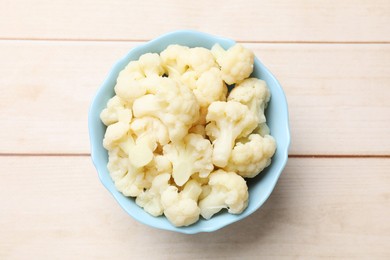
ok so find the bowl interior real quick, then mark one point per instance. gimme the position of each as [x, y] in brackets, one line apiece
[259, 188]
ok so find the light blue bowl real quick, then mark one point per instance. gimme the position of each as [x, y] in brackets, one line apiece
[260, 187]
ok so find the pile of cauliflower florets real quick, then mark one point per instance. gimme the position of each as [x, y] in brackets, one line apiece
[178, 141]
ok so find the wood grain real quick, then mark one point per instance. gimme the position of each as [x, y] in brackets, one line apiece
[269, 21]
[56, 208]
[337, 93]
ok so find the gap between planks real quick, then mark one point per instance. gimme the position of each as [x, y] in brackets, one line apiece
[314, 156]
[145, 40]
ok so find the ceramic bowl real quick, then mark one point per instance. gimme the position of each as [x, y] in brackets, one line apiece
[260, 187]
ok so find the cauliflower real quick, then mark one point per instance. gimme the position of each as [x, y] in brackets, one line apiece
[150, 200]
[210, 88]
[114, 133]
[228, 121]
[250, 158]
[179, 59]
[228, 190]
[181, 208]
[129, 84]
[173, 61]
[189, 156]
[254, 94]
[174, 104]
[127, 179]
[115, 111]
[236, 63]
[149, 131]
[151, 65]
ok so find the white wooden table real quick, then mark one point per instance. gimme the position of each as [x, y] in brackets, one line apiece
[332, 59]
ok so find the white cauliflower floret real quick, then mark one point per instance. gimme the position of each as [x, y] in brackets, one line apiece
[174, 104]
[151, 65]
[181, 208]
[228, 121]
[150, 126]
[199, 60]
[228, 190]
[128, 85]
[149, 132]
[173, 61]
[115, 111]
[114, 133]
[236, 63]
[150, 199]
[179, 59]
[250, 158]
[127, 178]
[210, 87]
[189, 156]
[254, 94]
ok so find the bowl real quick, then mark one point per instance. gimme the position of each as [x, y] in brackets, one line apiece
[259, 187]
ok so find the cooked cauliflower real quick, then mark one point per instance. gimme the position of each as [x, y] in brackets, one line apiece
[180, 59]
[228, 121]
[181, 208]
[250, 158]
[150, 199]
[127, 178]
[189, 156]
[114, 133]
[177, 142]
[236, 63]
[172, 58]
[149, 132]
[254, 94]
[115, 111]
[151, 65]
[228, 190]
[174, 104]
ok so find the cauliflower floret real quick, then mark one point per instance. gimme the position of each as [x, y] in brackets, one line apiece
[128, 85]
[115, 111]
[151, 65]
[254, 94]
[149, 132]
[189, 156]
[250, 158]
[173, 61]
[115, 133]
[127, 178]
[150, 199]
[181, 208]
[150, 126]
[180, 59]
[228, 121]
[210, 87]
[174, 104]
[236, 63]
[228, 190]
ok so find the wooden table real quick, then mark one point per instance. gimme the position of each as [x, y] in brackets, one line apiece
[333, 60]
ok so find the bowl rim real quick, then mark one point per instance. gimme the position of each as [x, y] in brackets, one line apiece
[94, 149]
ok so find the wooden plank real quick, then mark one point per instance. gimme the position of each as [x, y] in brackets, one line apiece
[333, 208]
[280, 20]
[338, 94]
